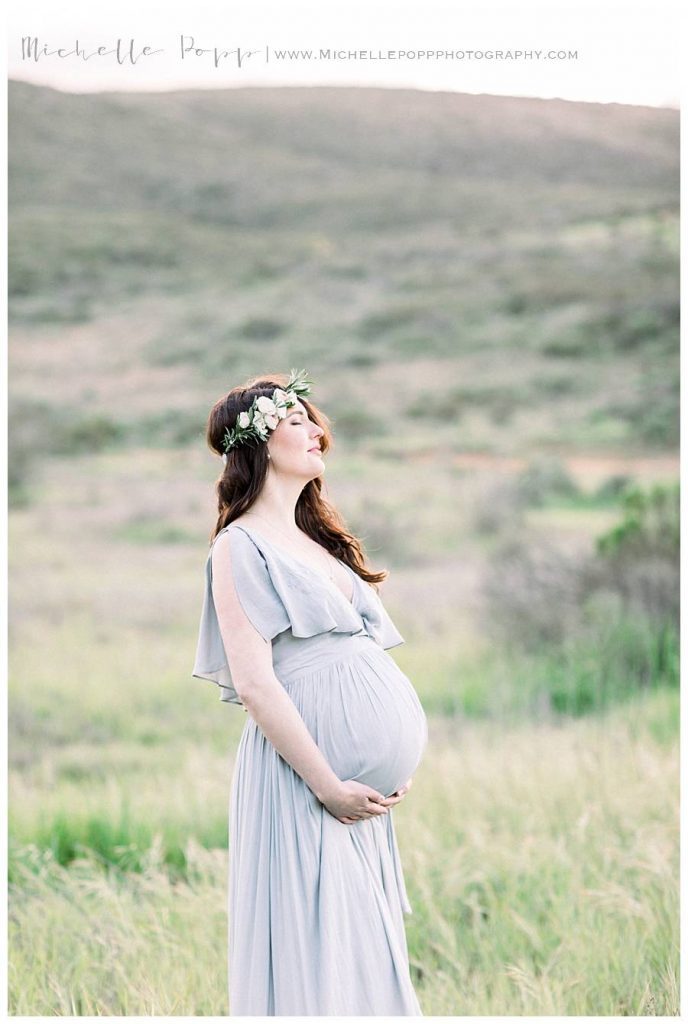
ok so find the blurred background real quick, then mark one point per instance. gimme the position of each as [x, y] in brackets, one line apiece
[485, 290]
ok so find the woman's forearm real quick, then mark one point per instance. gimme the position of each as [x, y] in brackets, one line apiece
[273, 710]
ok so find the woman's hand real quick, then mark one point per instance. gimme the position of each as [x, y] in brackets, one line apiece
[353, 801]
[390, 801]
[351, 804]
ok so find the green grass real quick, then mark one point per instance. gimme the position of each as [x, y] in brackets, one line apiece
[531, 837]
[527, 850]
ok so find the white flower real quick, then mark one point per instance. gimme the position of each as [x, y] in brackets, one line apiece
[244, 420]
[279, 397]
[266, 406]
[272, 421]
[292, 397]
[259, 424]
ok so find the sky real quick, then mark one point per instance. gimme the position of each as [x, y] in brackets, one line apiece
[609, 51]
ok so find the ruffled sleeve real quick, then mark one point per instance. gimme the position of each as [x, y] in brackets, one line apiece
[259, 600]
[378, 623]
[278, 595]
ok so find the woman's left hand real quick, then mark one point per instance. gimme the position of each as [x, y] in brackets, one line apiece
[390, 801]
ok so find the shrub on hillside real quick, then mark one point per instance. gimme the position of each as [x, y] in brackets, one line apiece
[600, 625]
[639, 557]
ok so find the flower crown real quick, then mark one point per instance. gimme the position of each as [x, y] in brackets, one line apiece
[265, 413]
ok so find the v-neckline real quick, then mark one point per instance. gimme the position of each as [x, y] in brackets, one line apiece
[287, 554]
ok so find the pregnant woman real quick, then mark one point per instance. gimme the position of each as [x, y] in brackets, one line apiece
[293, 630]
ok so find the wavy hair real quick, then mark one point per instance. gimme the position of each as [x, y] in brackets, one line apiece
[246, 469]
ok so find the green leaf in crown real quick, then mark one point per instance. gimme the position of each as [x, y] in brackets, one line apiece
[265, 413]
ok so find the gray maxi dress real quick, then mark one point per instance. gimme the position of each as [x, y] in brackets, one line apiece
[316, 906]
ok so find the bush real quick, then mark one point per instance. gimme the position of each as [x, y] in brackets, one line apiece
[31, 427]
[534, 593]
[602, 626]
[497, 504]
[89, 434]
[617, 654]
[544, 478]
[639, 557]
[262, 329]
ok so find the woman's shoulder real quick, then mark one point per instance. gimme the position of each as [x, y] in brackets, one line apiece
[236, 543]
[236, 527]
[230, 526]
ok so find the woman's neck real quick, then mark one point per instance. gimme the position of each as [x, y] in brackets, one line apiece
[276, 506]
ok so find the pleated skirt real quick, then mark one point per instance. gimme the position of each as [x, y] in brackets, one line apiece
[316, 906]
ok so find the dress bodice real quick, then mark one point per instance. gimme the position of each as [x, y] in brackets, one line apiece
[292, 605]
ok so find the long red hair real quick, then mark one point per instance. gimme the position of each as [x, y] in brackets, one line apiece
[247, 465]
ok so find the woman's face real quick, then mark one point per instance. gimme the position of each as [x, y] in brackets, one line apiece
[291, 445]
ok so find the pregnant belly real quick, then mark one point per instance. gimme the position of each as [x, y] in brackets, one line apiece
[371, 726]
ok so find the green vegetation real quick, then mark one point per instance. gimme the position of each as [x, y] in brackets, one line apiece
[491, 318]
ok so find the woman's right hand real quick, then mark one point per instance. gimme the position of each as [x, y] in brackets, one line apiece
[352, 801]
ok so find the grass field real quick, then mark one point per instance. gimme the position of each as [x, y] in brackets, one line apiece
[541, 863]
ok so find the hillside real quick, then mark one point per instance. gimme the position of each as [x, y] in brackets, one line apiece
[204, 233]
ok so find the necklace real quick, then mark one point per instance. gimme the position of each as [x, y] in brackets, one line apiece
[329, 571]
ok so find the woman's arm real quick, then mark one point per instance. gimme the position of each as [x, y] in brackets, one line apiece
[249, 657]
